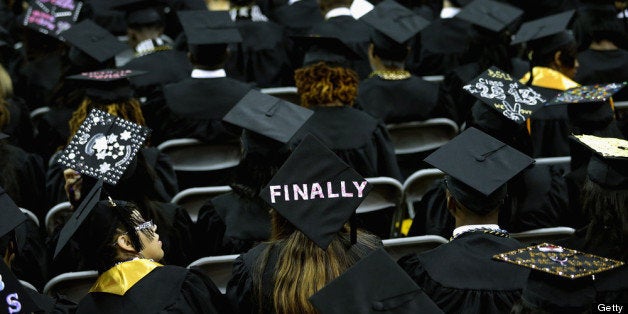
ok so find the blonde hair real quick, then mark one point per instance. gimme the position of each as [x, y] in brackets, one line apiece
[6, 84]
[321, 84]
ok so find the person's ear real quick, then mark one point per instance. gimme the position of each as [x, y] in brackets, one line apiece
[557, 61]
[124, 242]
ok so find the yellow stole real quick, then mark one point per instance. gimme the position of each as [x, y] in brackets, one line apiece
[120, 278]
[548, 78]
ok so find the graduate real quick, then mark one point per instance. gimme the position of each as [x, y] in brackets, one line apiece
[235, 221]
[15, 115]
[461, 276]
[329, 88]
[297, 16]
[194, 106]
[310, 244]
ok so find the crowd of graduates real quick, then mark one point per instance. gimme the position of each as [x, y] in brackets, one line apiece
[88, 90]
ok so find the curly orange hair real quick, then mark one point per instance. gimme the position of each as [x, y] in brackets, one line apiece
[324, 85]
[129, 110]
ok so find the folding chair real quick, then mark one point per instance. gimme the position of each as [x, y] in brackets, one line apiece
[563, 162]
[434, 78]
[192, 199]
[421, 136]
[218, 268]
[73, 285]
[28, 285]
[30, 215]
[55, 215]
[383, 201]
[417, 185]
[288, 93]
[403, 246]
[543, 235]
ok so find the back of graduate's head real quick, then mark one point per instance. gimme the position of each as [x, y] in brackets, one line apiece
[208, 57]
[326, 5]
[325, 84]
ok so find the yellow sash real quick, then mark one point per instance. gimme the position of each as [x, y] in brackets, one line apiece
[120, 278]
[548, 78]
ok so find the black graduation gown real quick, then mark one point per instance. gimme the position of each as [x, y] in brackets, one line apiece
[297, 18]
[462, 277]
[31, 261]
[47, 304]
[163, 67]
[357, 138]
[194, 108]
[53, 131]
[353, 33]
[262, 56]
[394, 101]
[612, 286]
[26, 176]
[231, 224]
[167, 289]
[19, 128]
[37, 79]
[603, 66]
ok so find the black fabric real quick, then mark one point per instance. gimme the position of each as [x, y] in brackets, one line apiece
[53, 131]
[612, 286]
[167, 289]
[603, 66]
[178, 68]
[19, 127]
[297, 18]
[36, 79]
[231, 224]
[31, 262]
[549, 128]
[23, 178]
[15, 295]
[492, 15]
[462, 277]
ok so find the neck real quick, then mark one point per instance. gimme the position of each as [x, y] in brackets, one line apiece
[603, 45]
[472, 219]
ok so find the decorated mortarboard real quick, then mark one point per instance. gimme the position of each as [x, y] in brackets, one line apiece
[141, 12]
[316, 191]
[93, 40]
[52, 17]
[375, 284]
[269, 116]
[492, 15]
[326, 49]
[587, 94]
[14, 293]
[104, 146]
[500, 91]
[547, 33]
[608, 167]
[558, 260]
[394, 23]
[478, 167]
[204, 27]
[108, 85]
[10, 215]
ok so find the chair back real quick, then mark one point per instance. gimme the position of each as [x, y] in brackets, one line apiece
[417, 185]
[384, 200]
[218, 268]
[288, 93]
[542, 235]
[56, 214]
[73, 285]
[192, 199]
[188, 154]
[397, 248]
[421, 136]
[30, 215]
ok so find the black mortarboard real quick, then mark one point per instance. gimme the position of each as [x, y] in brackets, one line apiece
[492, 15]
[104, 146]
[375, 284]
[589, 104]
[108, 85]
[94, 40]
[316, 191]
[393, 25]
[500, 91]
[560, 279]
[141, 12]
[10, 215]
[14, 293]
[52, 17]
[326, 49]
[478, 167]
[204, 27]
[547, 33]
[608, 167]
[269, 116]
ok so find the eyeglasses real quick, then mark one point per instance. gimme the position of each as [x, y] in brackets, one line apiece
[146, 225]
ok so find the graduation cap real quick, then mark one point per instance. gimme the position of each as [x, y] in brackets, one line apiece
[10, 216]
[316, 191]
[393, 26]
[104, 146]
[269, 116]
[3, 136]
[204, 27]
[492, 15]
[141, 12]
[374, 284]
[547, 33]
[587, 94]
[500, 91]
[108, 85]
[478, 168]
[52, 17]
[326, 49]
[608, 166]
[94, 41]
[14, 293]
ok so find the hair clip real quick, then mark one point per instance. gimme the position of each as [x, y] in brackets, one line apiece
[111, 202]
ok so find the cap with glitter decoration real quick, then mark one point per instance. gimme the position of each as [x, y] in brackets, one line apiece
[589, 104]
[108, 85]
[104, 146]
[142, 12]
[204, 27]
[393, 25]
[93, 40]
[52, 17]
[547, 33]
[326, 49]
[366, 288]
[608, 167]
[478, 167]
[492, 15]
[316, 191]
[268, 116]
[514, 100]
